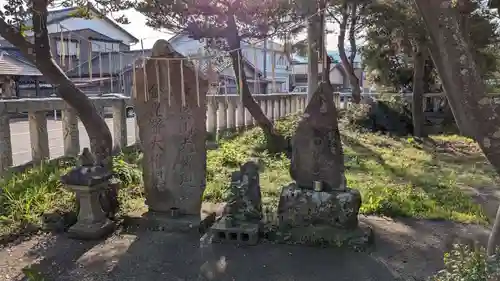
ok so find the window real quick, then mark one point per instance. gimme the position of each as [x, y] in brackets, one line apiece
[70, 48]
[281, 61]
[103, 46]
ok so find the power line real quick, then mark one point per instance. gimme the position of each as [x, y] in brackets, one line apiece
[292, 27]
[106, 50]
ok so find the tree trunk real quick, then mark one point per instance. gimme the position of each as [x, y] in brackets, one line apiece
[276, 142]
[471, 98]
[494, 239]
[418, 91]
[348, 66]
[352, 33]
[313, 47]
[449, 87]
[39, 53]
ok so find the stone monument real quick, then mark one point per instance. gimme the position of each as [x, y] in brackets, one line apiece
[241, 219]
[169, 98]
[318, 205]
[90, 182]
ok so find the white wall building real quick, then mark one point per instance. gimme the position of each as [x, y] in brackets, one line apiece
[268, 67]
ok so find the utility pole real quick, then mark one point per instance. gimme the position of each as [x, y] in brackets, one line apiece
[265, 64]
[314, 39]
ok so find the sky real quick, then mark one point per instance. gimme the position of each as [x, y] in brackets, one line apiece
[139, 29]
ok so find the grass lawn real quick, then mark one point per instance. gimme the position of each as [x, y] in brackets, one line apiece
[396, 176]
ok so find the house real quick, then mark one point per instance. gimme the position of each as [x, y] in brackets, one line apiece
[266, 65]
[12, 68]
[82, 44]
[338, 76]
[109, 72]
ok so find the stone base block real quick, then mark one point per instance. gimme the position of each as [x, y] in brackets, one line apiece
[299, 207]
[244, 233]
[358, 238]
[171, 223]
[82, 230]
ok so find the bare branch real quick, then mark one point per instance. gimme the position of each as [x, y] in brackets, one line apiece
[333, 16]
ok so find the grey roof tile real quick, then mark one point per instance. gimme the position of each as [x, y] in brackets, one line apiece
[10, 65]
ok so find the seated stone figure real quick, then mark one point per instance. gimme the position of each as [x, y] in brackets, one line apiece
[244, 204]
[87, 159]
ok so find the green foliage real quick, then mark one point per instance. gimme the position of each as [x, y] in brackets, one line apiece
[401, 178]
[391, 114]
[248, 146]
[357, 116]
[32, 274]
[82, 12]
[463, 263]
[396, 177]
[24, 197]
[395, 30]
[128, 174]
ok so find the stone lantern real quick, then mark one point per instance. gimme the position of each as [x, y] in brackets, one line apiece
[90, 183]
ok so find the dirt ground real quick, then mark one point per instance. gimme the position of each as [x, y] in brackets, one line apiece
[406, 249]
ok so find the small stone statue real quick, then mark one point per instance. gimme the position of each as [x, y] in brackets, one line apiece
[250, 177]
[87, 159]
[234, 210]
[245, 203]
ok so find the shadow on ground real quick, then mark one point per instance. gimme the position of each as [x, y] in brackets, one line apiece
[472, 174]
[154, 255]
[470, 158]
[404, 250]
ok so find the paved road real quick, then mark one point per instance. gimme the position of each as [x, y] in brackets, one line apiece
[21, 145]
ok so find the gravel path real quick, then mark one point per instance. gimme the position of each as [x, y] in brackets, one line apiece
[404, 250]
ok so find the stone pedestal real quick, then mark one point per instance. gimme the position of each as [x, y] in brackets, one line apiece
[172, 221]
[303, 207]
[311, 216]
[245, 233]
[92, 221]
[91, 184]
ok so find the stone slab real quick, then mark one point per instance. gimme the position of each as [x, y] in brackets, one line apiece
[317, 153]
[301, 207]
[93, 231]
[171, 116]
[242, 233]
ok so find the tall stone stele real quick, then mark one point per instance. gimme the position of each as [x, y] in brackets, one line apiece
[319, 205]
[171, 116]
